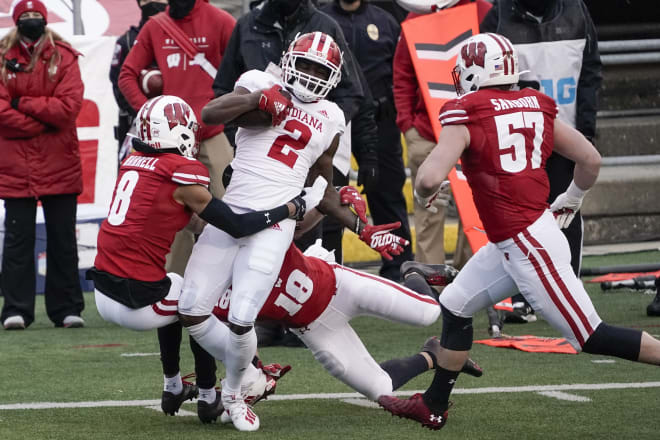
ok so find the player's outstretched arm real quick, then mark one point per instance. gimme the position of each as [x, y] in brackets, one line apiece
[199, 200]
[454, 139]
[571, 144]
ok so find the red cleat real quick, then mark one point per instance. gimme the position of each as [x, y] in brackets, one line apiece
[414, 408]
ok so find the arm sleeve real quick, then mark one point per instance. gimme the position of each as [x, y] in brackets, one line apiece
[405, 86]
[13, 123]
[231, 65]
[589, 82]
[218, 214]
[61, 109]
[140, 56]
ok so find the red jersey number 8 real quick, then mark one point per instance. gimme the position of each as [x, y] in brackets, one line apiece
[284, 146]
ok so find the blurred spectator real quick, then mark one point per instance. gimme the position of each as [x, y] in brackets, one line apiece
[414, 123]
[568, 69]
[208, 29]
[124, 44]
[372, 35]
[41, 94]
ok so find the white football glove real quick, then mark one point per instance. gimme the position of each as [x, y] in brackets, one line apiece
[439, 198]
[567, 204]
[313, 194]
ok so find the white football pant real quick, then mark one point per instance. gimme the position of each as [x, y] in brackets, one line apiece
[149, 317]
[537, 262]
[336, 345]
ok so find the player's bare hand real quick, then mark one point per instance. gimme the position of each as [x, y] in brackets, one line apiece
[380, 239]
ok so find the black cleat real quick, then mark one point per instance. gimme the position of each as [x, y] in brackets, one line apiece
[170, 402]
[434, 274]
[209, 412]
[653, 309]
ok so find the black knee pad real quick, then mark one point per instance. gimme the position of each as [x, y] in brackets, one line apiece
[456, 332]
[614, 341]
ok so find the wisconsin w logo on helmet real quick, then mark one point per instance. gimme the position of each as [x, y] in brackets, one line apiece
[177, 114]
[474, 53]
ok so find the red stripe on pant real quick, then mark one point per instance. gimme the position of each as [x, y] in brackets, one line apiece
[162, 312]
[411, 293]
[555, 275]
[548, 288]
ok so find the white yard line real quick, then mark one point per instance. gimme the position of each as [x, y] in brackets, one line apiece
[565, 396]
[341, 396]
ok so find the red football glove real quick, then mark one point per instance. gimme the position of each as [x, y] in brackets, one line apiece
[380, 239]
[350, 196]
[275, 103]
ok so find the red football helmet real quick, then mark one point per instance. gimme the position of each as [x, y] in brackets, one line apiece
[315, 47]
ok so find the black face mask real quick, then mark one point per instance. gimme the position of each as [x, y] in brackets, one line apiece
[181, 8]
[286, 8]
[33, 28]
[152, 8]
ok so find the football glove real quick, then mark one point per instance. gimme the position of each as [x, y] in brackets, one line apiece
[309, 198]
[380, 239]
[350, 196]
[438, 198]
[567, 204]
[274, 102]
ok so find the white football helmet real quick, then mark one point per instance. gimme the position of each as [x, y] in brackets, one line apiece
[425, 6]
[318, 48]
[485, 60]
[167, 122]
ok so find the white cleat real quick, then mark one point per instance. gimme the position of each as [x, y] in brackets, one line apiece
[242, 416]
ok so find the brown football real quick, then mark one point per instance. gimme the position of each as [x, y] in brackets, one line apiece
[151, 82]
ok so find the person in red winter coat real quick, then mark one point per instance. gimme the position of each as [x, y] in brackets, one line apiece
[41, 94]
[208, 29]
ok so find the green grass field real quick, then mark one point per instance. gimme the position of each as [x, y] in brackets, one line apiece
[48, 365]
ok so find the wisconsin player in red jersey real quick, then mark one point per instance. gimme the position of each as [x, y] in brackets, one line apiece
[158, 190]
[503, 138]
[317, 299]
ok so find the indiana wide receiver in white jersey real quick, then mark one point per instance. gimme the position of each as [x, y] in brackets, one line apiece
[283, 140]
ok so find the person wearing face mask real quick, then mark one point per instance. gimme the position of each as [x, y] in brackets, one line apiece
[124, 44]
[41, 94]
[568, 69]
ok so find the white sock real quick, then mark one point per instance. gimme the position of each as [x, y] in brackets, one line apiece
[240, 351]
[207, 395]
[212, 335]
[173, 384]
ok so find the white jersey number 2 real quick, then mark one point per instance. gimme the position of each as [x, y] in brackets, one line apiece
[122, 199]
[515, 161]
[284, 146]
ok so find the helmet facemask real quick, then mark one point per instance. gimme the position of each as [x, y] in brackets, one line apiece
[304, 56]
